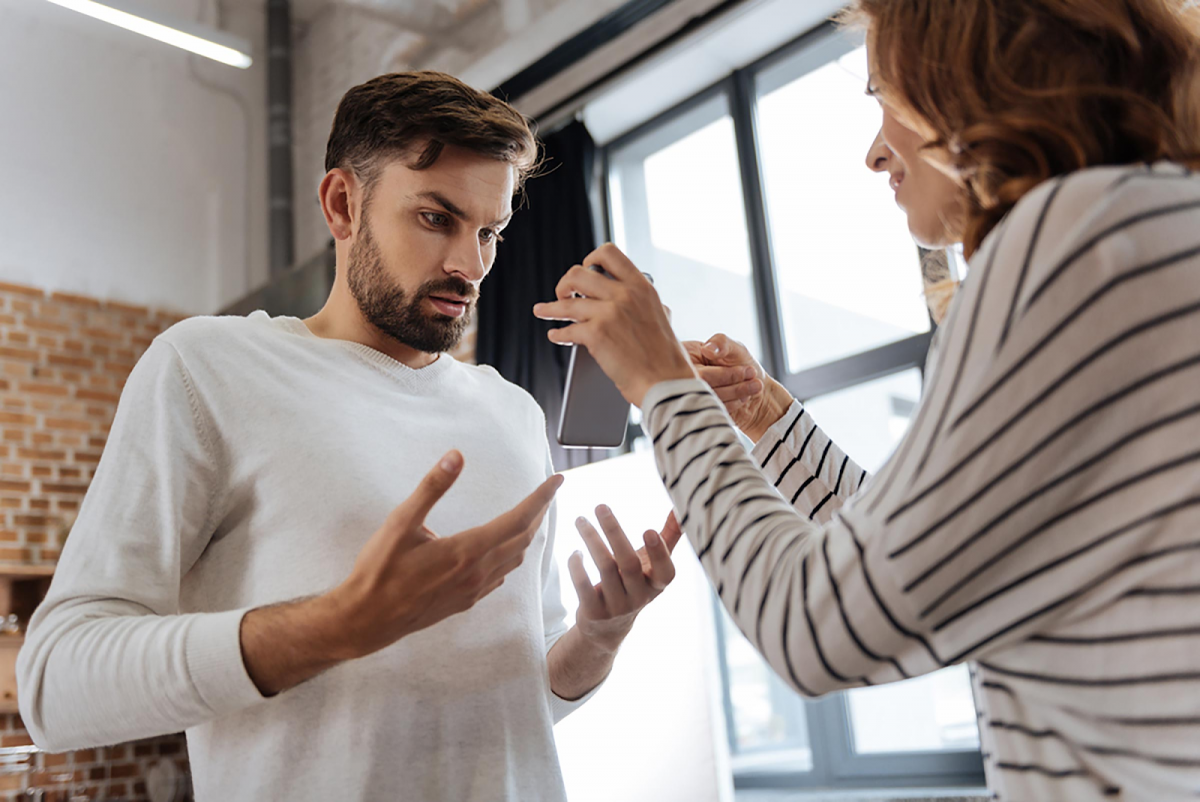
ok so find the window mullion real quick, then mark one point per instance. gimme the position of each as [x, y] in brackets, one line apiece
[766, 290]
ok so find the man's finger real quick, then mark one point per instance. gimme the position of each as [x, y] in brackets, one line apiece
[671, 533]
[516, 523]
[497, 575]
[623, 551]
[662, 570]
[589, 600]
[610, 574]
[411, 512]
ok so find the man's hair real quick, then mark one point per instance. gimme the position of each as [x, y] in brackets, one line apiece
[1015, 92]
[415, 115]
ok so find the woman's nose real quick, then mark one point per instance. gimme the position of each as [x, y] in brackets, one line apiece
[879, 155]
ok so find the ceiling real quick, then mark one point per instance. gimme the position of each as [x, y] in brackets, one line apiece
[427, 17]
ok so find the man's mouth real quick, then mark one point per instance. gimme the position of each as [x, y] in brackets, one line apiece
[450, 305]
[895, 181]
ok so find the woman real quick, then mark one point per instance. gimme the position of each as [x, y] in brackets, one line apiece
[1041, 518]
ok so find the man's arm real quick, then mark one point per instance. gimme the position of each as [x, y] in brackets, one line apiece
[578, 666]
[107, 657]
[405, 579]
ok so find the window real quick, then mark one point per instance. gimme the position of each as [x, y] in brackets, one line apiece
[686, 226]
[847, 270]
[752, 206]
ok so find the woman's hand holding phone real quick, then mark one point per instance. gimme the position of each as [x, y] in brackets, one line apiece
[620, 320]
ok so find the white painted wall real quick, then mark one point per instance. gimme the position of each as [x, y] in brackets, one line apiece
[125, 176]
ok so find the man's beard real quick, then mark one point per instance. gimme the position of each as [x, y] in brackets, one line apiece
[387, 307]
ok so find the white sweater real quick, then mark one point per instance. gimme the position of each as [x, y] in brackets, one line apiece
[248, 464]
[1041, 518]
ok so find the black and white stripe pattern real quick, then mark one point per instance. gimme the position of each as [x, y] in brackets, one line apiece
[1041, 518]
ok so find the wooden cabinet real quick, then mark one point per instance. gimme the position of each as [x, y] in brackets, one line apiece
[22, 588]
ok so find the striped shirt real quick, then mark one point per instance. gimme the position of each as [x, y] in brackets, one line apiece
[1040, 519]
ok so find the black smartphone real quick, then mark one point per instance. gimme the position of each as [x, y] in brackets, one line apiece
[594, 413]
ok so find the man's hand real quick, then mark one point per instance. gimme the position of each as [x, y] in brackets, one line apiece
[753, 399]
[405, 579]
[629, 580]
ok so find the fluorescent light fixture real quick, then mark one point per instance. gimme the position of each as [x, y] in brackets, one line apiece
[199, 39]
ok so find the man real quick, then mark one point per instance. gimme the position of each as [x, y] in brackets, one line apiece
[223, 577]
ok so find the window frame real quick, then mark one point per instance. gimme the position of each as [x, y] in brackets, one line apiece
[835, 763]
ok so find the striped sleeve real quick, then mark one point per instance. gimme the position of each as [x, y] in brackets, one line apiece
[806, 466]
[1054, 462]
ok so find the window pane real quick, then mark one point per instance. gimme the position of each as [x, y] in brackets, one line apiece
[929, 713]
[848, 270]
[677, 211]
[868, 420]
[768, 718]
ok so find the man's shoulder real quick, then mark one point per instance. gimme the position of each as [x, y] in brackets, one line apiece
[488, 380]
[204, 334]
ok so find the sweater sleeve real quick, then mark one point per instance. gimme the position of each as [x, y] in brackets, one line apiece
[806, 466]
[1051, 464]
[107, 657]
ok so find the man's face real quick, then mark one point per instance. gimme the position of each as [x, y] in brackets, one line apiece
[426, 241]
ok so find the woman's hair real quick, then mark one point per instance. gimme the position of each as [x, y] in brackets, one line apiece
[1014, 92]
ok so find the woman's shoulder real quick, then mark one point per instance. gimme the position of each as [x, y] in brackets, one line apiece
[1097, 234]
[1140, 207]
[1099, 199]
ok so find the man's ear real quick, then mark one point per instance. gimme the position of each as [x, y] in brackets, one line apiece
[340, 202]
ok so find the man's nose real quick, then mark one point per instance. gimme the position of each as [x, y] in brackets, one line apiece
[468, 261]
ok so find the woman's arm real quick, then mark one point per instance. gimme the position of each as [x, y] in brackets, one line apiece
[806, 466]
[797, 457]
[1051, 467]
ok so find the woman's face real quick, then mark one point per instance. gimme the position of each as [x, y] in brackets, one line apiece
[932, 200]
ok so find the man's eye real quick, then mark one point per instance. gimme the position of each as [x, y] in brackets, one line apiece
[487, 236]
[436, 220]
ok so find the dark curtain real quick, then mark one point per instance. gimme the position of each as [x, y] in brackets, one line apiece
[551, 232]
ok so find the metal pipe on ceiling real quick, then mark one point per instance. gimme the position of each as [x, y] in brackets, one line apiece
[279, 135]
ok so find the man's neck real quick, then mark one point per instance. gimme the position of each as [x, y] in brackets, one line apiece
[342, 320]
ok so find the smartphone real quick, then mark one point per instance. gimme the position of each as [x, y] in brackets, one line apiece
[594, 413]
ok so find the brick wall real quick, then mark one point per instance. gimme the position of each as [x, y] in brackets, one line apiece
[63, 362]
[107, 773]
